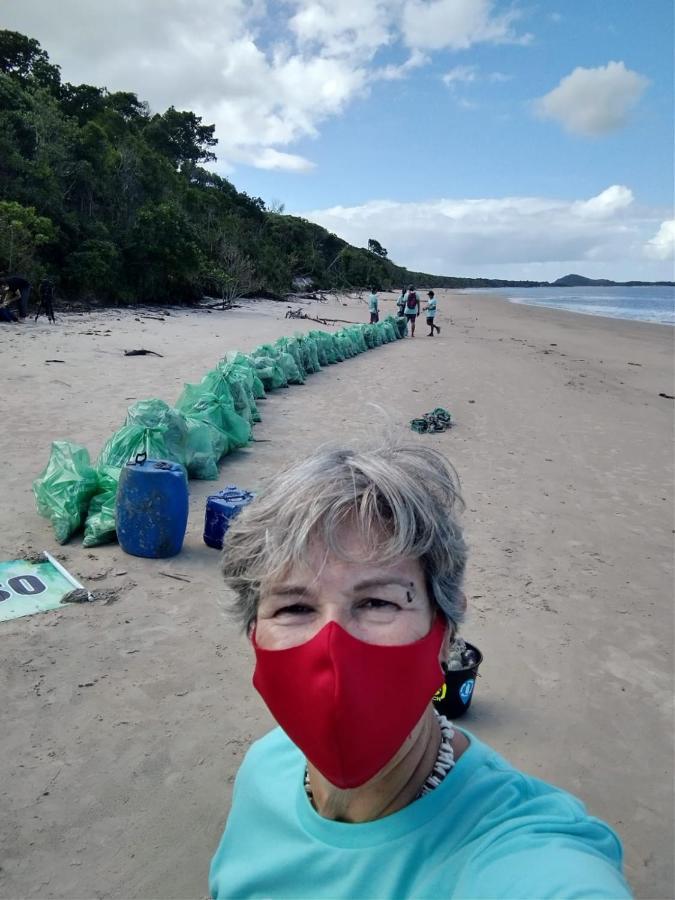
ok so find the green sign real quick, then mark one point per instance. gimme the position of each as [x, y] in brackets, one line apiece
[27, 588]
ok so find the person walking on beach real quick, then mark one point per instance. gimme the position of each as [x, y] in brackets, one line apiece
[373, 307]
[17, 285]
[430, 310]
[400, 303]
[412, 309]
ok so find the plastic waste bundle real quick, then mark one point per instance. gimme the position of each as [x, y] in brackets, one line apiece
[99, 527]
[65, 487]
[210, 420]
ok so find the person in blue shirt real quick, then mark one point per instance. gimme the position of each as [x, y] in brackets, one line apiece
[346, 574]
[373, 307]
[430, 310]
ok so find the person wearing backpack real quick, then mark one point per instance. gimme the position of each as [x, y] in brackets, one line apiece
[412, 309]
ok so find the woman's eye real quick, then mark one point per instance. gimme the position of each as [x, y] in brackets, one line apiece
[377, 603]
[293, 609]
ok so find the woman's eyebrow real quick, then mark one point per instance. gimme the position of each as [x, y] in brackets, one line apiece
[382, 581]
[291, 590]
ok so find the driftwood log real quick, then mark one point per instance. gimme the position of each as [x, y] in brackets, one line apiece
[299, 314]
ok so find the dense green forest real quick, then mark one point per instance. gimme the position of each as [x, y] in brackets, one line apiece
[111, 202]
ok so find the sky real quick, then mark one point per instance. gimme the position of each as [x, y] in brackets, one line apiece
[523, 139]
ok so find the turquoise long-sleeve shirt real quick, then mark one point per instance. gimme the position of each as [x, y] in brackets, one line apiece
[486, 831]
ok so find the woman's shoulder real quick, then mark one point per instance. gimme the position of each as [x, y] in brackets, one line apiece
[532, 835]
[489, 772]
[270, 757]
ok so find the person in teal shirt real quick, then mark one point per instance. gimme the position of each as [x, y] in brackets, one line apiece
[430, 310]
[346, 574]
[373, 307]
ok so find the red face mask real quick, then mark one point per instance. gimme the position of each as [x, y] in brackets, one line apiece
[349, 705]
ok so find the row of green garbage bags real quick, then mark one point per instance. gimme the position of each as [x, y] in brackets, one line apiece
[208, 421]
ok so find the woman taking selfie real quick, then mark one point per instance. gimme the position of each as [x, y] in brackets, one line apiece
[347, 575]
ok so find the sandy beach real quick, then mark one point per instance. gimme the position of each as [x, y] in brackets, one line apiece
[123, 725]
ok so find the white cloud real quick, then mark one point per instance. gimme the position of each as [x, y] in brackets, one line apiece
[395, 73]
[342, 27]
[662, 245]
[509, 237]
[267, 75]
[269, 158]
[605, 204]
[460, 73]
[499, 77]
[593, 101]
[457, 24]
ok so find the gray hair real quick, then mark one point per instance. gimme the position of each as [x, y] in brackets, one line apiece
[401, 499]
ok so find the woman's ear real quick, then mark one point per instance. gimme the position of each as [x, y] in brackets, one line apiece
[461, 601]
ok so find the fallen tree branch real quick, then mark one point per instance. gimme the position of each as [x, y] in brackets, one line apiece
[141, 353]
[221, 306]
[299, 314]
[175, 577]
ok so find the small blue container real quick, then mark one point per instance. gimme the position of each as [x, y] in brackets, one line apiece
[221, 508]
[151, 510]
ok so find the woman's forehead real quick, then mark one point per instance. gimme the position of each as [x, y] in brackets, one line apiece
[323, 570]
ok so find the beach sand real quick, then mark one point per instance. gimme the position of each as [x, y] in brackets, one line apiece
[123, 725]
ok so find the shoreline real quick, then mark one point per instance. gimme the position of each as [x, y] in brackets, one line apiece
[524, 301]
[563, 448]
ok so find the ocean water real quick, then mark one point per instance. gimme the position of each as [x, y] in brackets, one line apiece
[643, 304]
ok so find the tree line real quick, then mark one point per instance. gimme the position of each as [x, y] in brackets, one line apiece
[112, 202]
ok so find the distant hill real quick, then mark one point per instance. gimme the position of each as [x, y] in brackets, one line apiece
[582, 281]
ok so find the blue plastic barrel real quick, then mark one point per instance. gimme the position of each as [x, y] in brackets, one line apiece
[221, 508]
[151, 510]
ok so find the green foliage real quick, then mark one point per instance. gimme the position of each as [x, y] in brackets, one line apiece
[376, 248]
[22, 233]
[94, 268]
[111, 202]
[23, 57]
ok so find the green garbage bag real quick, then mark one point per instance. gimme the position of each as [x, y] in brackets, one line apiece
[358, 340]
[310, 358]
[157, 416]
[197, 402]
[373, 336]
[394, 323]
[242, 390]
[151, 427]
[320, 347]
[337, 348]
[65, 487]
[269, 371]
[245, 362]
[100, 525]
[369, 336]
[345, 344]
[243, 399]
[238, 426]
[327, 342]
[284, 360]
[401, 325]
[292, 347]
[201, 460]
[389, 330]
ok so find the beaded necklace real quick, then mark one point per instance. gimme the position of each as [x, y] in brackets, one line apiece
[445, 760]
